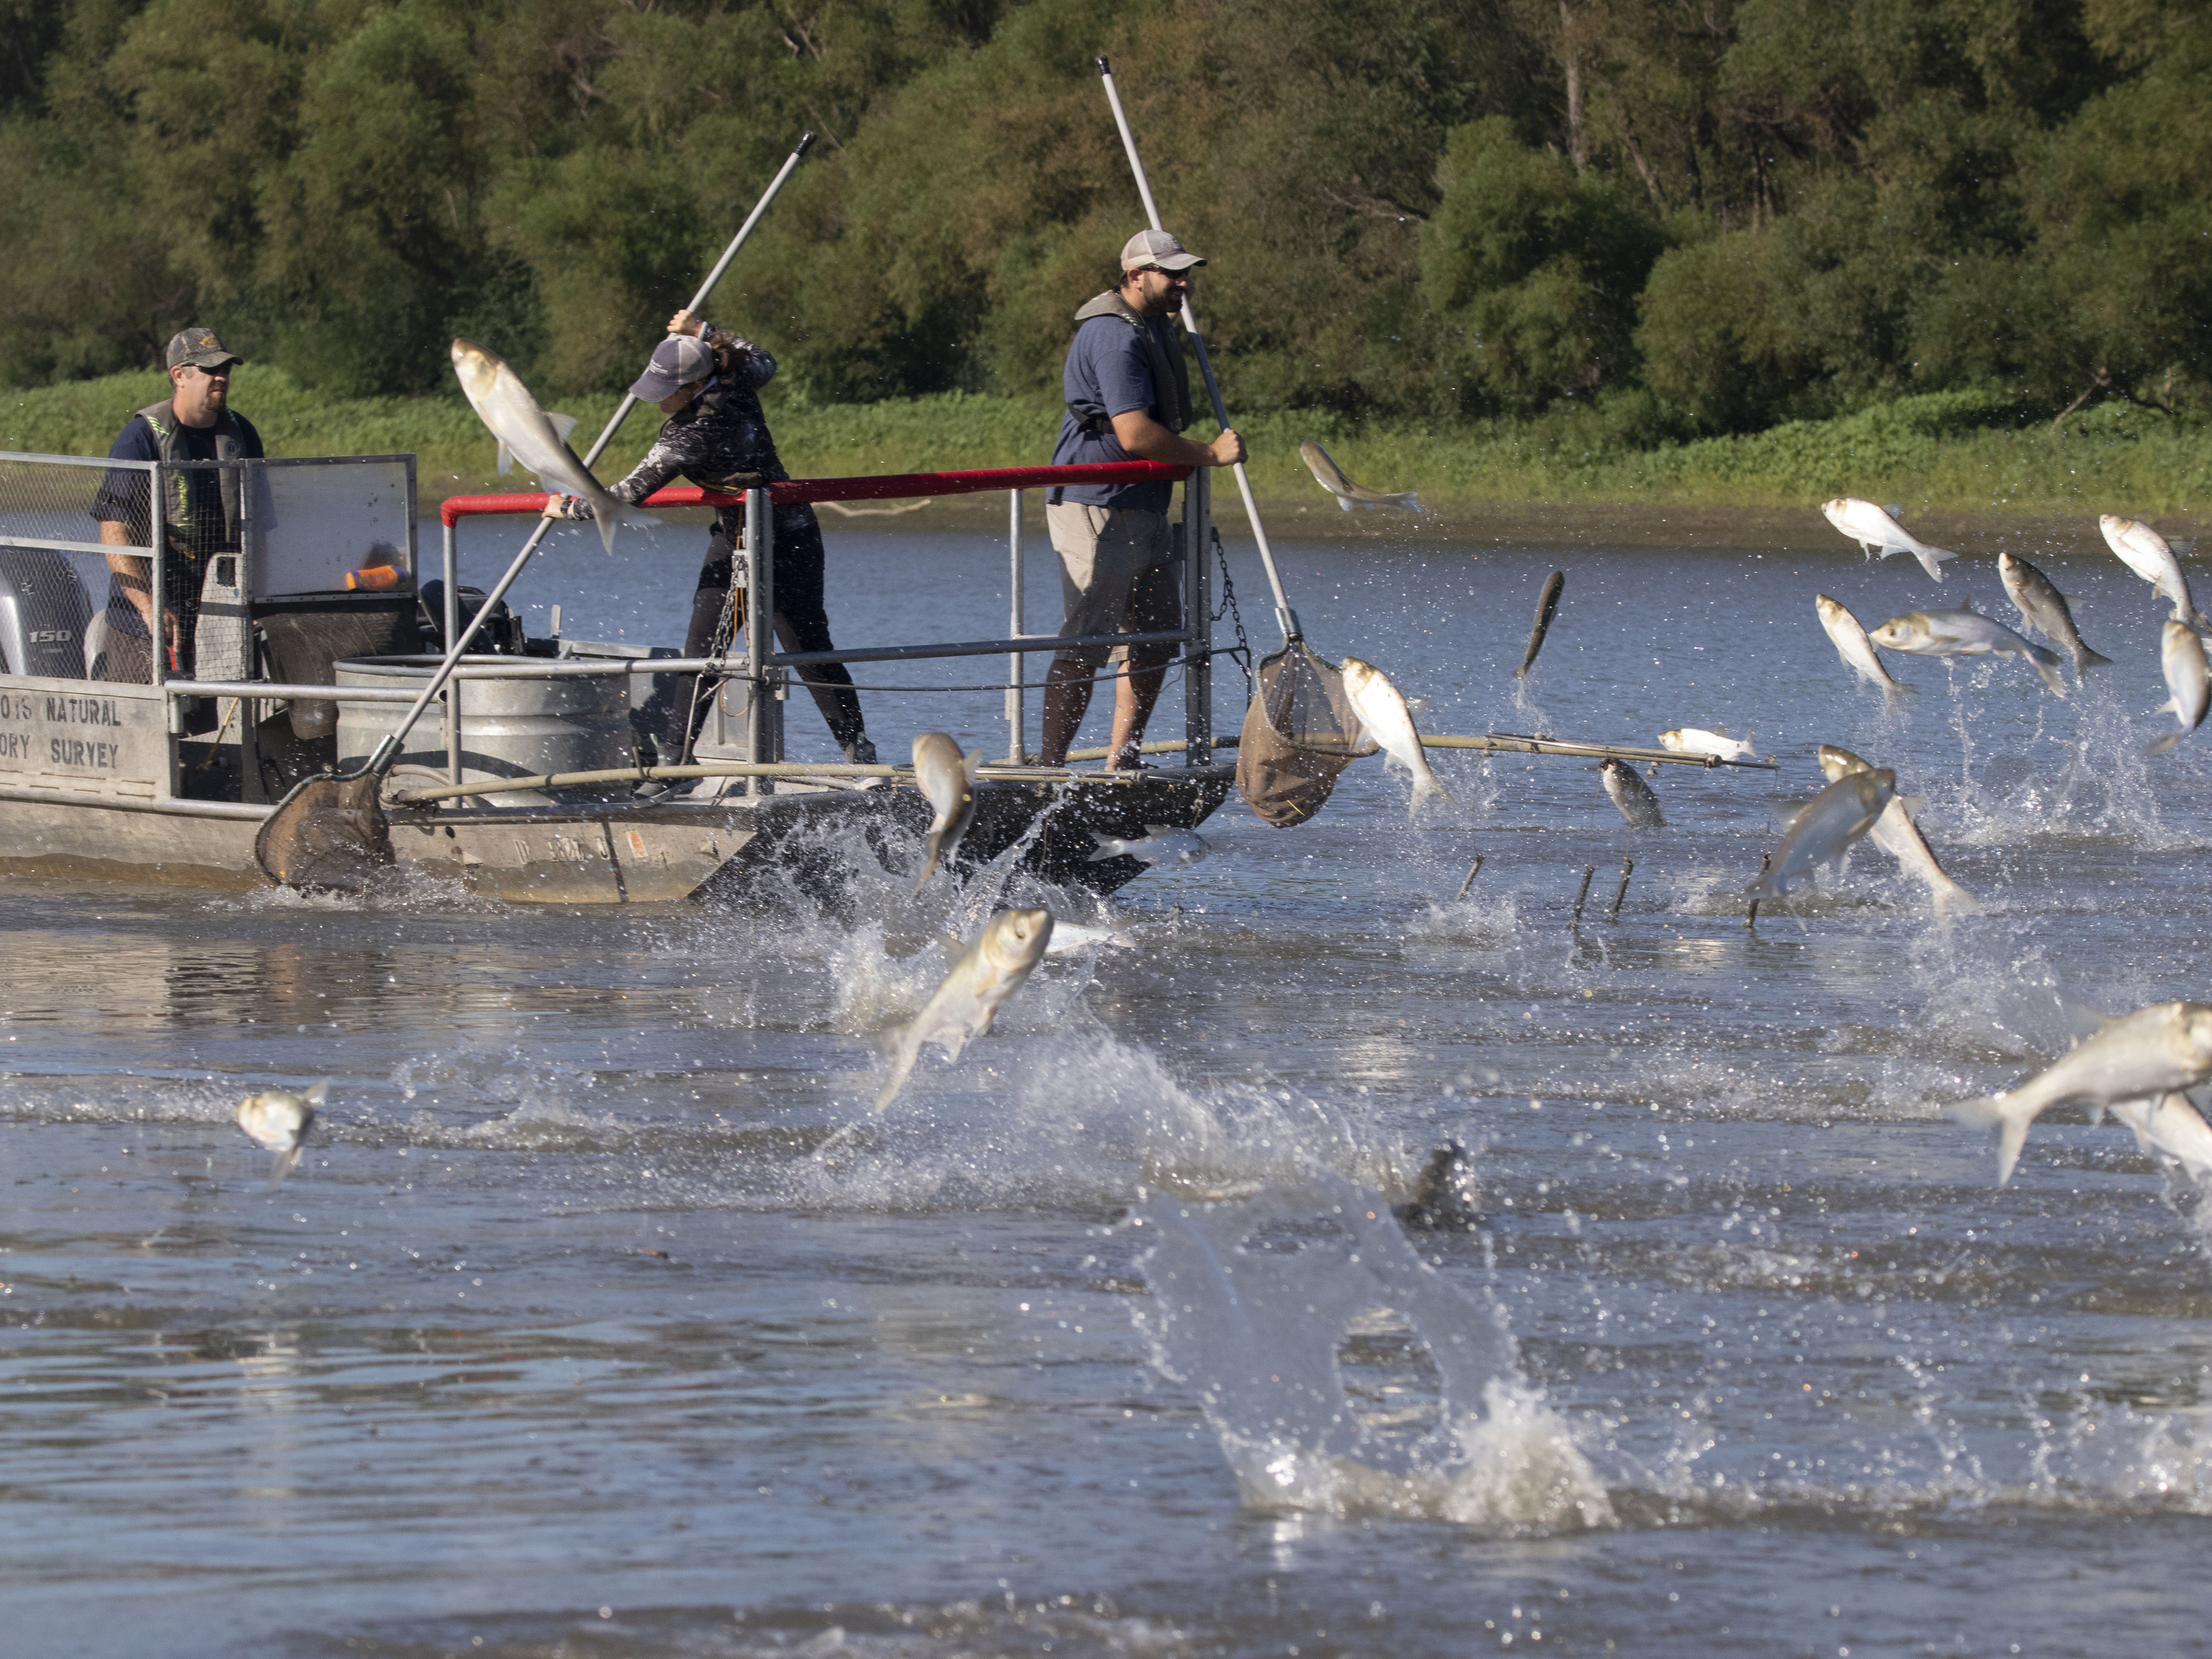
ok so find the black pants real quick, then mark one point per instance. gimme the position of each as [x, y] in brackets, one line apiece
[800, 620]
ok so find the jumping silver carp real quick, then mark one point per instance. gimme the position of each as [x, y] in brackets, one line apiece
[1964, 633]
[947, 778]
[526, 434]
[2150, 556]
[1390, 723]
[2140, 1056]
[2169, 1127]
[2045, 608]
[1631, 795]
[1330, 477]
[984, 976]
[1696, 740]
[1160, 844]
[1879, 533]
[279, 1120]
[2188, 676]
[1547, 606]
[1853, 645]
[1898, 835]
[1824, 829]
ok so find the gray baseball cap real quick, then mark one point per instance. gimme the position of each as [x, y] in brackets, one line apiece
[199, 347]
[676, 361]
[1149, 248]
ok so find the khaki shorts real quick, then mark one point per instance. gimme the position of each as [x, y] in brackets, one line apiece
[1116, 575]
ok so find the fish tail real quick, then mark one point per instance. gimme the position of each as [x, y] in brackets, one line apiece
[282, 1165]
[2084, 659]
[904, 1053]
[1767, 887]
[1424, 784]
[1101, 842]
[2011, 1115]
[2159, 746]
[929, 861]
[1952, 897]
[2047, 665]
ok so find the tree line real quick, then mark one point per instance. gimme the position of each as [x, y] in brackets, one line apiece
[1690, 216]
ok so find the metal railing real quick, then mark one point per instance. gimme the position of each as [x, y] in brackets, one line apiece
[762, 669]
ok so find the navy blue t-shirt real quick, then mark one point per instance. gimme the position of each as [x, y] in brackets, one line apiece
[121, 498]
[1108, 373]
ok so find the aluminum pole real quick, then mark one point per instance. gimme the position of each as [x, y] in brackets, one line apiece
[1286, 619]
[1017, 714]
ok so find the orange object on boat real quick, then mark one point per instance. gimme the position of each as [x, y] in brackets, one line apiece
[375, 577]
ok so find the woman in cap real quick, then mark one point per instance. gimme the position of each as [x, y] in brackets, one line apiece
[708, 382]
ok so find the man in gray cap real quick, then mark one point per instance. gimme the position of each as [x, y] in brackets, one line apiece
[200, 508]
[1128, 397]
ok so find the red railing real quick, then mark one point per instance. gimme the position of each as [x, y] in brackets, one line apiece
[883, 487]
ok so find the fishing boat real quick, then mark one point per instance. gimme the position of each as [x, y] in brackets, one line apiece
[522, 783]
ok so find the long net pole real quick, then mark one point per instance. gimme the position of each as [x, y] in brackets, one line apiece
[1286, 619]
[390, 746]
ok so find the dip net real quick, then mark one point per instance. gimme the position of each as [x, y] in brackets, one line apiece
[1299, 734]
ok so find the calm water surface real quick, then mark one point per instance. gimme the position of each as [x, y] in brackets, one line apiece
[605, 1318]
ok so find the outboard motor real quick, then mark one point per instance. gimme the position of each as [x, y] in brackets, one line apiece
[43, 613]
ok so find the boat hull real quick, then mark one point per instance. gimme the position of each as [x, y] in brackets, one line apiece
[745, 851]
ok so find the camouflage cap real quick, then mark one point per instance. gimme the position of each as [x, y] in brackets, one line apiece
[199, 347]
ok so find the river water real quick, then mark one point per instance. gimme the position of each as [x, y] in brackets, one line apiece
[604, 1317]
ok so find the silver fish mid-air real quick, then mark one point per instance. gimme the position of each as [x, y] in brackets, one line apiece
[2140, 1056]
[1330, 477]
[1160, 844]
[2045, 608]
[2150, 556]
[2188, 676]
[1879, 533]
[947, 778]
[1390, 723]
[1853, 645]
[983, 975]
[2170, 1127]
[1547, 606]
[527, 434]
[1696, 740]
[1964, 633]
[279, 1120]
[1898, 835]
[1824, 829]
[1631, 795]
[1071, 939]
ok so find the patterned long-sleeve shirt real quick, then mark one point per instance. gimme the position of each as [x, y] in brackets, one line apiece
[719, 441]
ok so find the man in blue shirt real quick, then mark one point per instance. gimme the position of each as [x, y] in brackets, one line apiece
[1128, 397]
[200, 507]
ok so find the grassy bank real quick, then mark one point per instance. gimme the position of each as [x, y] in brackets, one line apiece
[1953, 452]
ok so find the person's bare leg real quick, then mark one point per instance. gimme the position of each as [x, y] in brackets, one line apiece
[1133, 703]
[1067, 700]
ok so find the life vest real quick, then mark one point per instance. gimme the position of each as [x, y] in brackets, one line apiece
[176, 499]
[1170, 380]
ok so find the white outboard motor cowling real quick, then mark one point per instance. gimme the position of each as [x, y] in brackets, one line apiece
[44, 613]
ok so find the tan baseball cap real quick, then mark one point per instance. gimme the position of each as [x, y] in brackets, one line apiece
[199, 347]
[1157, 249]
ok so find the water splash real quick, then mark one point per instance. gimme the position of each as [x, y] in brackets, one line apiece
[1261, 1306]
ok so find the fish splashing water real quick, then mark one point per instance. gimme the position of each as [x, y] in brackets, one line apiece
[279, 1120]
[1824, 829]
[1898, 835]
[947, 779]
[1384, 712]
[982, 977]
[1852, 644]
[1964, 633]
[2045, 608]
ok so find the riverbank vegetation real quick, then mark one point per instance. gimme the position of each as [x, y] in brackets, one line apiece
[1550, 243]
[1954, 452]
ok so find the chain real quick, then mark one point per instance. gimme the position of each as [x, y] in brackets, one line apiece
[1228, 608]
